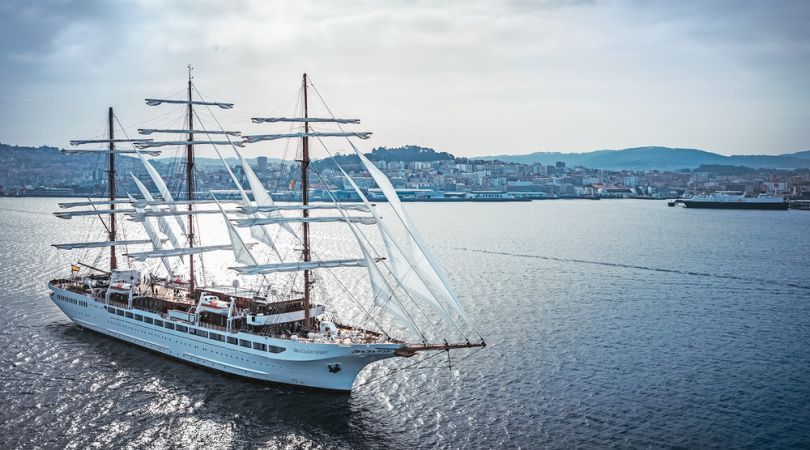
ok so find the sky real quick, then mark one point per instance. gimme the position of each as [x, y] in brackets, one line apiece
[468, 77]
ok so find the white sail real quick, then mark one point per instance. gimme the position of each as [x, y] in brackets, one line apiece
[154, 238]
[421, 256]
[384, 297]
[262, 199]
[163, 224]
[241, 252]
[271, 137]
[260, 233]
[76, 245]
[405, 272]
[286, 220]
[302, 120]
[297, 266]
[163, 189]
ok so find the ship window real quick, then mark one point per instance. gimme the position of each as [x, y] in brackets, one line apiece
[158, 322]
[110, 309]
[128, 315]
[119, 312]
[258, 346]
[182, 328]
[147, 319]
[244, 343]
[274, 349]
[139, 317]
[168, 325]
[233, 341]
[216, 337]
[199, 333]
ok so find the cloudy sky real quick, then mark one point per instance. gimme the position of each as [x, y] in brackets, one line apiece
[468, 77]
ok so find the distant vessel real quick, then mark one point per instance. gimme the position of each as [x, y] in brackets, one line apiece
[734, 200]
[280, 330]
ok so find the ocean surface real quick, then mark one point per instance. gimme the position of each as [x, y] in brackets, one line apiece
[612, 323]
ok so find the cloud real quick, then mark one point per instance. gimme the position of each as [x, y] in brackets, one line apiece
[470, 77]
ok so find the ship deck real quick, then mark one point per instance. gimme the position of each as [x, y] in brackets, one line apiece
[160, 299]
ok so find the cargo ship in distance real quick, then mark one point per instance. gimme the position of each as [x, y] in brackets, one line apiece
[735, 200]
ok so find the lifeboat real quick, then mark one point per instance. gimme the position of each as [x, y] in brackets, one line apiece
[213, 304]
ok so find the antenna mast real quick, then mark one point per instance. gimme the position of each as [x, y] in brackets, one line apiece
[111, 183]
[190, 183]
[305, 201]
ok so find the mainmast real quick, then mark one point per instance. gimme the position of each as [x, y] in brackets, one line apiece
[190, 184]
[111, 183]
[305, 201]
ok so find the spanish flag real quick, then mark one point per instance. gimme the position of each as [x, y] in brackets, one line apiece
[74, 268]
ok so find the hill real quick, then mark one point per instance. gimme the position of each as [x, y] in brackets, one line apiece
[408, 153]
[660, 158]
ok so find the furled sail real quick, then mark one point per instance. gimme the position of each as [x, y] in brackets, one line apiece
[139, 216]
[94, 202]
[92, 212]
[144, 202]
[71, 151]
[343, 206]
[302, 120]
[163, 224]
[284, 220]
[143, 256]
[159, 101]
[270, 137]
[298, 266]
[158, 130]
[76, 245]
[104, 141]
[142, 145]
[420, 256]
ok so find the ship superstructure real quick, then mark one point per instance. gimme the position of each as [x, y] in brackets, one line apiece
[277, 327]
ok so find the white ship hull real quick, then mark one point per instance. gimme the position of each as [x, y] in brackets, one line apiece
[329, 366]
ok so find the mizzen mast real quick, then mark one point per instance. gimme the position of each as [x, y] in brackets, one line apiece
[305, 201]
[111, 183]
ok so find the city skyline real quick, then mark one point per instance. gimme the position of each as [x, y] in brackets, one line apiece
[474, 79]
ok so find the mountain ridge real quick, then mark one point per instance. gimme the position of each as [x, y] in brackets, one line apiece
[658, 158]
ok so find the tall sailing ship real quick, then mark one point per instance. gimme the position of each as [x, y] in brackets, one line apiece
[286, 324]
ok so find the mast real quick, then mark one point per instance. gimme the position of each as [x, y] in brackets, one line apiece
[190, 184]
[305, 201]
[111, 183]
